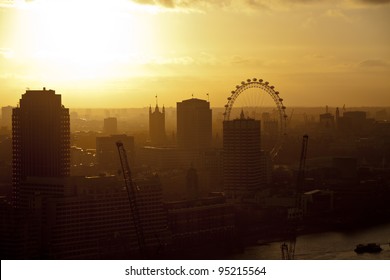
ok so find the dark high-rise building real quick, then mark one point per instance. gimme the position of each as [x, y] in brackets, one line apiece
[40, 137]
[242, 157]
[194, 124]
[110, 126]
[157, 126]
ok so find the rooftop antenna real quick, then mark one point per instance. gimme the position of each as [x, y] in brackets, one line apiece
[208, 97]
[192, 96]
[156, 100]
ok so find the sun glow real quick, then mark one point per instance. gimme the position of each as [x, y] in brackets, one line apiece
[85, 39]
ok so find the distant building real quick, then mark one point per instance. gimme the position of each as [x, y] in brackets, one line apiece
[6, 117]
[40, 137]
[269, 131]
[157, 126]
[354, 122]
[242, 163]
[192, 183]
[161, 158]
[107, 153]
[194, 124]
[110, 126]
[327, 122]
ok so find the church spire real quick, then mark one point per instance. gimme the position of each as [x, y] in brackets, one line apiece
[242, 114]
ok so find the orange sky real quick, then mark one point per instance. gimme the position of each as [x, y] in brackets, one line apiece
[121, 53]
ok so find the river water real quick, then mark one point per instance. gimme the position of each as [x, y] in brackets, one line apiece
[330, 245]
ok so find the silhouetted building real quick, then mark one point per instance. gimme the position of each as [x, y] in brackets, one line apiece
[107, 153]
[354, 122]
[157, 126]
[41, 137]
[327, 122]
[269, 131]
[346, 167]
[242, 164]
[159, 157]
[194, 124]
[201, 224]
[110, 126]
[192, 183]
[90, 217]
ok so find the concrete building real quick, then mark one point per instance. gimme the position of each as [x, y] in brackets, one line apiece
[90, 217]
[40, 137]
[201, 224]
[242, 164]
[107, 155]
[194, 124]
[110, 126]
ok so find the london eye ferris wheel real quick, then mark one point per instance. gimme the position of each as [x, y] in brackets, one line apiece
[258, 99]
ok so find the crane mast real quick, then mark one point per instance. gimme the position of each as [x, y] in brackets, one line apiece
[132, 195]
[288, 250]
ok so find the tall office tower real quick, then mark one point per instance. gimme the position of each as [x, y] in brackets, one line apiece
[40, 137]
[110, 126]
[194, 124]
[157, 126]
[242, 164]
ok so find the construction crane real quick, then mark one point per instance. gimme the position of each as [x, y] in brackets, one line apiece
[288, 250]
[132, 195]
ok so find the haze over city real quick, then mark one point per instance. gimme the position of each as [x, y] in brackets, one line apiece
[183, 129]
[122, 53]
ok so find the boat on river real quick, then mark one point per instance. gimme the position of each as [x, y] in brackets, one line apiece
[368, 248]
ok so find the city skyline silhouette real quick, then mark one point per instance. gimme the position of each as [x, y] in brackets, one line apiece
[194, 129]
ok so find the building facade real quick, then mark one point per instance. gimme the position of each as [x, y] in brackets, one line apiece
[110, 126]
[107, 153]
[40, 137]
[242, 164]
[194, 124]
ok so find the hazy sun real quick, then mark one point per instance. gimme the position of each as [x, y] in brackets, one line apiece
[85, 38]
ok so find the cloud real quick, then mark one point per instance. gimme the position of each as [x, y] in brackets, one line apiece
[375, 2]
[374, 63]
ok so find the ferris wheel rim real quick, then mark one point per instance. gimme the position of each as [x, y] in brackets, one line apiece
[275, 95]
